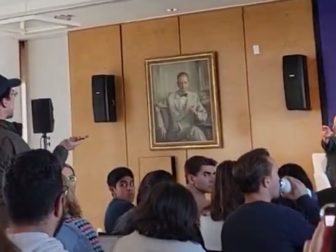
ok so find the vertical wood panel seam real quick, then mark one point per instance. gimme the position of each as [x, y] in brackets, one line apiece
[179, 34]
[247, 78]
[180, 52]
[124, 91]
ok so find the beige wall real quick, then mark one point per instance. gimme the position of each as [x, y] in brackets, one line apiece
[250, 88]
[280, 29]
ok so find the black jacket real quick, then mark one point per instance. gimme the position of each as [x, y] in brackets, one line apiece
[11, 144]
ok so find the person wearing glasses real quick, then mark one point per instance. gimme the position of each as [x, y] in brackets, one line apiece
[121, 184]
[69, 172]
[75, 233]
[11, 142]
[34, 194]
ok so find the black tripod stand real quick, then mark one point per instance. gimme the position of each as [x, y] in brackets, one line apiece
[46, 141]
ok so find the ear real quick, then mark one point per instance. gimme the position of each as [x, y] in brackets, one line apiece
[59, 206]
[266, 181]
[190, 178]
[5, 102]
[112, 190]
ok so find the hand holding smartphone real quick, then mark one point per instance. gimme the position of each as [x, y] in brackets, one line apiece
[328, 214]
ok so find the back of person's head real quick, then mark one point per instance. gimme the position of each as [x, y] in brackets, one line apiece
[169, 213]
[193, 165]
[149, 181]
[33, 188]
[295, 171]
[117, 174]
[71, 204]
[226, 196]
[250, 170]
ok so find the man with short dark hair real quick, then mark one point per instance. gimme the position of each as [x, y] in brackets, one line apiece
[121, 185]
[260, 225]
[34, 195]
[200, 174]
[11, 142]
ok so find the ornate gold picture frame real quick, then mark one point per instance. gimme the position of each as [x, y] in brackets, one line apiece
[183, 103]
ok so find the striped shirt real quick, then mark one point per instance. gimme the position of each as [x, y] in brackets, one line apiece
[77, 234]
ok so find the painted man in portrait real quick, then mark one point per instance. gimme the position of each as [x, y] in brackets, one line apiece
[179, 116]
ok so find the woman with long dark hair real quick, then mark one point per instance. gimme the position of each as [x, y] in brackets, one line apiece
[226, 198]
[166, 221]
[125, 224]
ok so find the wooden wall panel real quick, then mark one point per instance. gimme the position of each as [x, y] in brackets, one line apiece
[251, 89]
[148, 164]
[280, 29]
[222, 31]
[143, 40]
[95, 51]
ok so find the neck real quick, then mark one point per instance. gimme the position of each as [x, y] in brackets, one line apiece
[195, 191]
[15, 229]
[199, 197]
[258, 196]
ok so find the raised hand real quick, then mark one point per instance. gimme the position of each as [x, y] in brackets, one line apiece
[72, 142]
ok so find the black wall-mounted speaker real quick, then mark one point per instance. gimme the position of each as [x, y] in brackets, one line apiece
[43, 115]
[296, 83]
[104, 98]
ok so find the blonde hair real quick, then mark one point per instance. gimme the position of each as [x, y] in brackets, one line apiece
[71, 204]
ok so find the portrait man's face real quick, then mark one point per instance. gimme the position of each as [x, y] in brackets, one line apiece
[183, 83]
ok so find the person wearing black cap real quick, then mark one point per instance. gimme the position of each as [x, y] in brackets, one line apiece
[11, 142]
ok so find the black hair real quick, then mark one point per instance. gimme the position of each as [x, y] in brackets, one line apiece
[169, 213]
[117, 174]
[193, 165]
[150, 180]
[251, 168]
[295, 171]
[32, 185]
[226, 196]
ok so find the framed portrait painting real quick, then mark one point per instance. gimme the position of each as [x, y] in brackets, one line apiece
[183, 104]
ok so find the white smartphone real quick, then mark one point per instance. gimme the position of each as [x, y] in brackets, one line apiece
[328, 214]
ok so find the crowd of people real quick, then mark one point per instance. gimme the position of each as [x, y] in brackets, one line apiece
[232, 206]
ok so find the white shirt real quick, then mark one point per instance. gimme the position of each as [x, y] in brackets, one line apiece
[36, 242]
[211, 232]
[135, 242]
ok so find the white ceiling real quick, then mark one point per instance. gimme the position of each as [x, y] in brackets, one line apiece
[99, 12]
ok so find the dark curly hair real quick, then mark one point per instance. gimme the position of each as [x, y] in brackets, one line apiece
[32, 185]
[169, 213]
